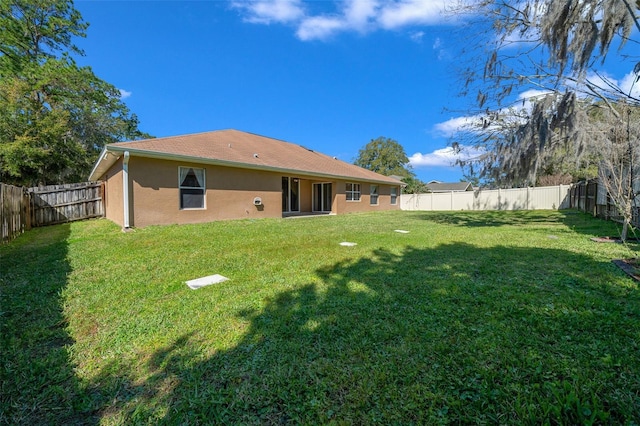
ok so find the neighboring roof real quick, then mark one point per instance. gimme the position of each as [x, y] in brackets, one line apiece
[435, 186]
[234, 148]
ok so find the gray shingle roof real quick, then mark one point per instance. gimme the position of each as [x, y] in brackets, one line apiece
[448, 187]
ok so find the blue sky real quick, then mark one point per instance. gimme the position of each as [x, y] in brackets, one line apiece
[327, 75]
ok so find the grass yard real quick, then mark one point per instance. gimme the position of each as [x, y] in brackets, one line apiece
[471, 317]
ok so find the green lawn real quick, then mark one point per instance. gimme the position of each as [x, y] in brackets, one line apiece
[471, 317]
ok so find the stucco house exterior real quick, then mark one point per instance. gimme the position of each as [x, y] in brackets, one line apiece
[230, 174]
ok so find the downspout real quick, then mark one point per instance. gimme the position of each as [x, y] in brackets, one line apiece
[125, 189]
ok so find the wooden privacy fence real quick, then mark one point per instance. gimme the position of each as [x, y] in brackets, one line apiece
[24, 208]
[14, 212]
[584, 197]
[592, 198]
[65, 203]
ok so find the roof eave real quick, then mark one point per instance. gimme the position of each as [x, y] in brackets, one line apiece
[100, 169]
[103, 163]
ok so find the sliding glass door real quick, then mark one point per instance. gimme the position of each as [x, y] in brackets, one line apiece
[290, 194]
[322, 197]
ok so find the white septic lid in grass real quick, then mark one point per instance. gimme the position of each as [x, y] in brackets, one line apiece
[348, 244]
[401, 231]
[205, 281]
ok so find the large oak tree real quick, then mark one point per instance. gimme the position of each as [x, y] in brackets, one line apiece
[55, 116]
[554, 49]
[385, 156]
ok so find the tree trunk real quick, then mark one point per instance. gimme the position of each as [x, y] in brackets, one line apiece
[625, 230]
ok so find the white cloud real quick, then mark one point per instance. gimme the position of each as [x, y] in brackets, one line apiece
[515, 39]
[470, 123]
[360, 13]
[533, 93]
[604, 82]
[530, 95]
[357, 15]
[444, 157]
[269, 11]
[454, 125]
[350, 15]
[630, 84]
[439, 49]
[417, 36]
[410, 12]
[449, 128]
[439, 158]
[319, 28]
[124, 94]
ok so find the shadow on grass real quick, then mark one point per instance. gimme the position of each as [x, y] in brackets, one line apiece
[454, 334]
[575, 220]
[495, 218]
[37, 381]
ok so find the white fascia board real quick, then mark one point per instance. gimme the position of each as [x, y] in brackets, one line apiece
[95, 166]
[103, 163]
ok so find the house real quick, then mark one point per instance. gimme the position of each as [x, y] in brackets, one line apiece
[437, 186]
[229, 174]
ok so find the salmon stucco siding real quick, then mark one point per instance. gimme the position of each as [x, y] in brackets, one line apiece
[229, 193]
[174, 188]
[113, 201]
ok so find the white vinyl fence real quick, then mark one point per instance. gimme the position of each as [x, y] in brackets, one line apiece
[542, 198]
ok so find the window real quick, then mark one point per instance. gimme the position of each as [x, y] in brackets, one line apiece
[192, 187]
[394, 195]
[373, 195]
[353, 192]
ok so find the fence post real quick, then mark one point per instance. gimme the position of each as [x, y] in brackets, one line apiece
[559, 197]
[26, 209]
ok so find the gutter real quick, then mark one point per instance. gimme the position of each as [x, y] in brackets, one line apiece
[125, 189]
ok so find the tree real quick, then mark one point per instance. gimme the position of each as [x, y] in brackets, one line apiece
[549, 45]
[34, 141]
[413, 185]
[55, 117]
[385, 156]
[618, 171]
[527, 145]
[550, 48]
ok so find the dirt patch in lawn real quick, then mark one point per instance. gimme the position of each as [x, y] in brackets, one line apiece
[606, 240]
[630, 266]
[613, 240]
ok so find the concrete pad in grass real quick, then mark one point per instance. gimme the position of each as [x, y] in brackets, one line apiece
[205, 281]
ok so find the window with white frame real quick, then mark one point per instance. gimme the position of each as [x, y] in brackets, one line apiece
[373, 195]
[353, 192]
[394, 195]
[192, 187]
